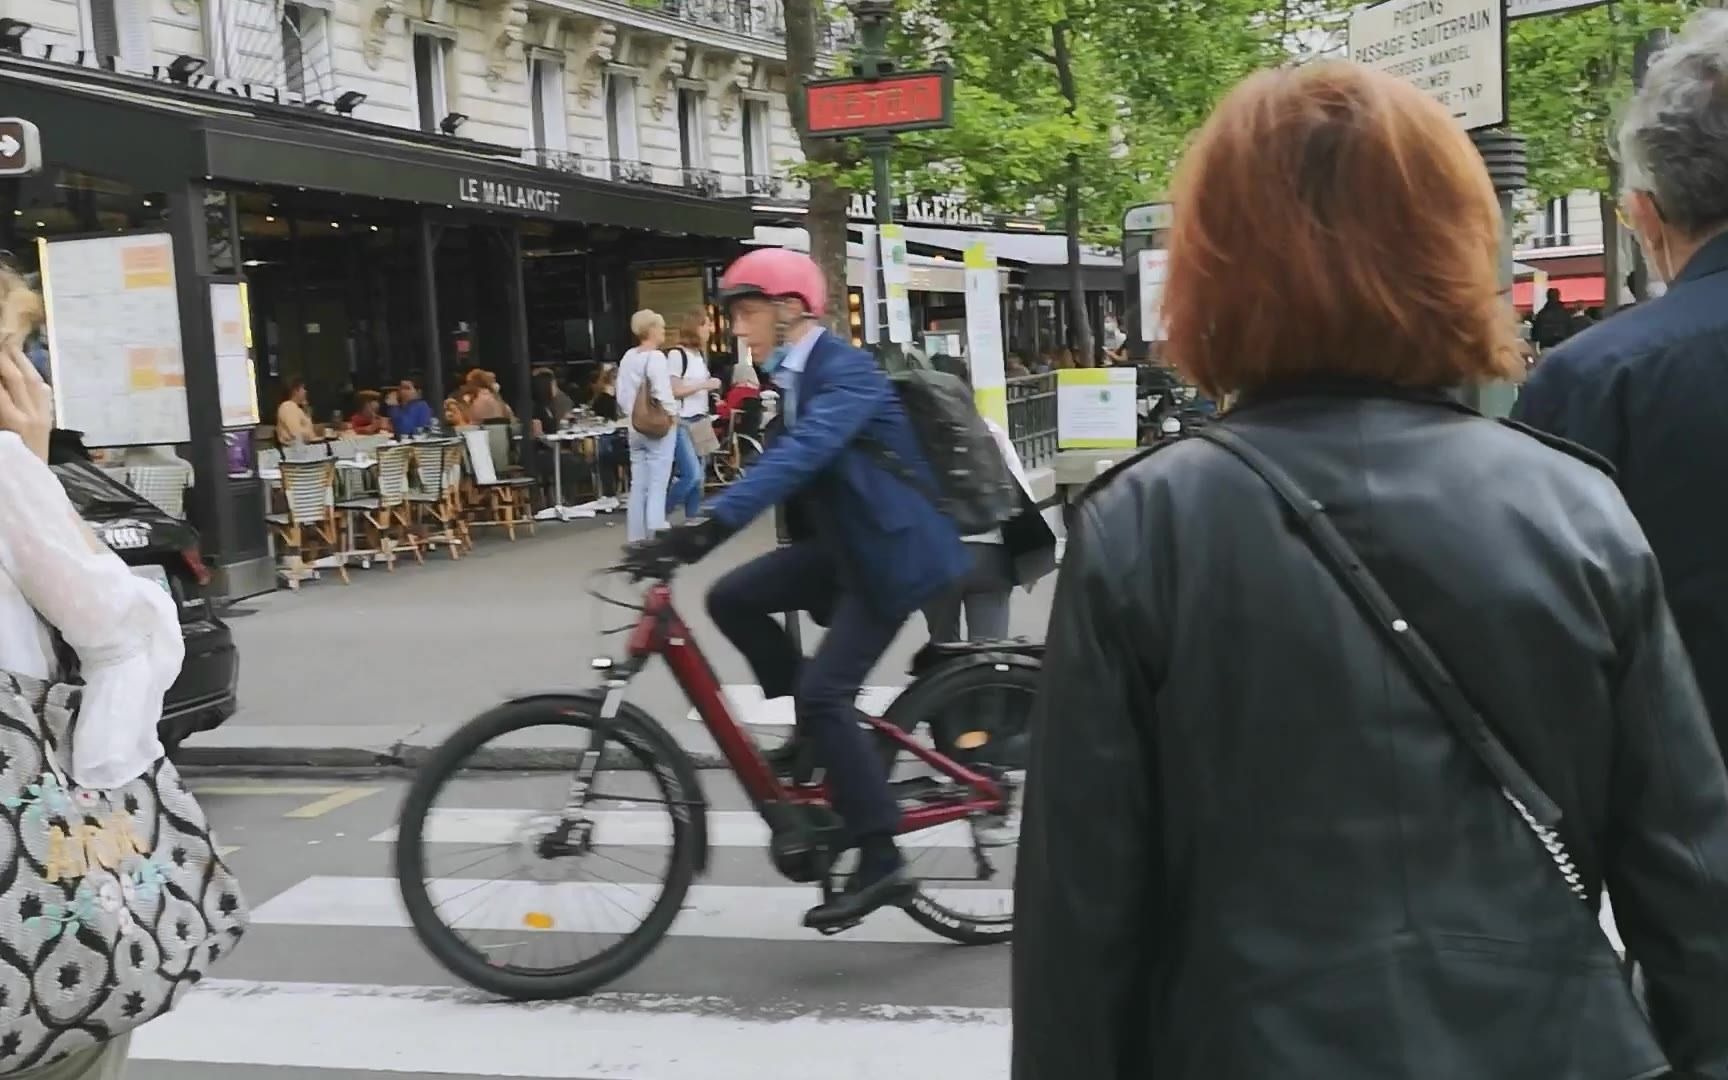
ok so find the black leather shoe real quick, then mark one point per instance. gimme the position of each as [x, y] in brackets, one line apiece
[894, 889]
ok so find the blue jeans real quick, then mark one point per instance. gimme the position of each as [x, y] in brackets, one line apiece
[687, 483]
[650, 475]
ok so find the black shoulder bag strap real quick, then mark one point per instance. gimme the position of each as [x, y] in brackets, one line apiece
[1533, 805]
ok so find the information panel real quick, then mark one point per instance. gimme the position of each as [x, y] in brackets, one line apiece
[1452, 50]
[114, 339]
[984, 355]
[1095, 408]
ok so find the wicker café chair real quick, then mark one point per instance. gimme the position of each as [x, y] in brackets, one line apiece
[309, 529]
[437, 506]
[386, 511]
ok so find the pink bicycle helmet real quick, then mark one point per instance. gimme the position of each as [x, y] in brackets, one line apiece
[778, 274]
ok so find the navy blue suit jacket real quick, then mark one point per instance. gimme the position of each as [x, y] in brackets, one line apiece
[894, 547]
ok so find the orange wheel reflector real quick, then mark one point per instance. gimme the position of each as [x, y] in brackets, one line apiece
[537, 920]
[971, 740]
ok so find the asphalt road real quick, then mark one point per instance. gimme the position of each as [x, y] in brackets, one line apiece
[331, 985]
[439, 643]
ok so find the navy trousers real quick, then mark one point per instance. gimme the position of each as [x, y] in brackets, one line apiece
[824, 687]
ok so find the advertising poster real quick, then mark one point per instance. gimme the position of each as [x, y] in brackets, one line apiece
[1153, 267]
[984, 334]
[1095, 409]
[897, 281]
[232, 330]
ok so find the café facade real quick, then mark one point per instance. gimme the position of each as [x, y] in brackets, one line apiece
[368, 252]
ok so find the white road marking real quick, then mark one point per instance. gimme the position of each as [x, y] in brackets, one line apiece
[735, 912]
[638, 828]
[607, 1037]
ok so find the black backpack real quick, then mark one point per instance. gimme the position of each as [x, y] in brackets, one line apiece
[974, 486]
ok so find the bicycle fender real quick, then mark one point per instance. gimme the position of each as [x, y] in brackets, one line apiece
[930, 680]
[640, 725]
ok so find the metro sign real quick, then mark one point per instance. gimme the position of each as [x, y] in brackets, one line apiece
[881, 106]
[20, 147]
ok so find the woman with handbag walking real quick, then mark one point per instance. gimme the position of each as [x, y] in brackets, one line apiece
[87, 651]
[645, 397]
[1357, 702]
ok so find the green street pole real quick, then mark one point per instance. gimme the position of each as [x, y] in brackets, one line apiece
[873, 62]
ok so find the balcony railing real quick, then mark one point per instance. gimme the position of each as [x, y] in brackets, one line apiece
[752, 18]
[1551, 240]
[695, 180]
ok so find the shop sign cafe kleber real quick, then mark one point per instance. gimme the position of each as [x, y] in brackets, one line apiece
[478, 191]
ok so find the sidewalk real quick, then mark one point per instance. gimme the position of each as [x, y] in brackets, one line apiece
[379, 672]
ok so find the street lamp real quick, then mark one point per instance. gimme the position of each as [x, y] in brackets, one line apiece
[450, 123]
[12, 33]
[349, 101]
[182, 68]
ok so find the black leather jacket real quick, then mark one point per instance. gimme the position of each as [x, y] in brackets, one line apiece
[1253, 850]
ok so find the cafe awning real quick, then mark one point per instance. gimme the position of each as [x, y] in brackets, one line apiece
[128, 128]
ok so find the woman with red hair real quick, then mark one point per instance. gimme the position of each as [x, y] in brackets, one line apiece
[1358, 702]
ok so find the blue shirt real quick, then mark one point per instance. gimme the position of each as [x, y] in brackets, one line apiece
[786, 372]
[412, 418]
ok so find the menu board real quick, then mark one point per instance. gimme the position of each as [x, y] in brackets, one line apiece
[235, 379]
[114, 339]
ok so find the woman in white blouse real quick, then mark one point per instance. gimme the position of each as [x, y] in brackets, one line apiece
[125, 631]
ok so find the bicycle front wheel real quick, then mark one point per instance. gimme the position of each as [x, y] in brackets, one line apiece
[539, 902]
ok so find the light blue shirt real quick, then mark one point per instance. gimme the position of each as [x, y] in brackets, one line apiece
[787, 372]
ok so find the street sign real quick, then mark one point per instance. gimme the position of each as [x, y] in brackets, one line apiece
[1520, 9]
[20, 147]
[907, 102]
[1150, 217]
[1454, 53]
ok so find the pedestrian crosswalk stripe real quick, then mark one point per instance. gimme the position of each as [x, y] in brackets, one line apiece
[637, 828]
[766, 913]
[749, 707]
[409, 1029]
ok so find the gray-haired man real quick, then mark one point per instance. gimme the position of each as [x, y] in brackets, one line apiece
[1649, 390]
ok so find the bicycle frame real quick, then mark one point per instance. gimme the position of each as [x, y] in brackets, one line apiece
[660, 631]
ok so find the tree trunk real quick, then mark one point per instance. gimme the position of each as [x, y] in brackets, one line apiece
[1078, 317]
[826, 220]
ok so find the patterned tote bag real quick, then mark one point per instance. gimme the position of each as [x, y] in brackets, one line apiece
[112, 903]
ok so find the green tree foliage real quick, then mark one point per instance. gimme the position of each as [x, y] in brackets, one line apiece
[1568, 76]
[1074, 109]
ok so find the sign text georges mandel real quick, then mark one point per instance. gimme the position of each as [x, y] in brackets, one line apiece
[481, 192]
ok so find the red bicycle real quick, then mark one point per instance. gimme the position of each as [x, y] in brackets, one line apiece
[954, 742]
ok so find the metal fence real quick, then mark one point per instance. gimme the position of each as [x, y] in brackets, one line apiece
[1032, 418]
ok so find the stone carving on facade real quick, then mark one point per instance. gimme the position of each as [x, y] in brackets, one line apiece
[373, 28]
[592, 45]
[504, 25]
[662, 61]
[728, 75]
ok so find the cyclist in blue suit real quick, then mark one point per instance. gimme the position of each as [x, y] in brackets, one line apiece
[868, 549]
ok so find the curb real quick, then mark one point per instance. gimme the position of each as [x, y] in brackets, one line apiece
[410, 756]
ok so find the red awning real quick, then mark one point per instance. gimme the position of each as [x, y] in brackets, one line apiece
[1588, 291]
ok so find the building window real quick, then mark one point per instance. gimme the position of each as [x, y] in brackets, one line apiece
[692, 140]
[1556, 223]
[757, 159]
[547, 107]
[305, 50]
[622, 143]
[431, 56]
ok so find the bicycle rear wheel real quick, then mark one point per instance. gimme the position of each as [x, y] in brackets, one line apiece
[978, 713]
[493, 932]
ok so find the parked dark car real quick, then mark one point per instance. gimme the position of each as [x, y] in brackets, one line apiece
[164, 550]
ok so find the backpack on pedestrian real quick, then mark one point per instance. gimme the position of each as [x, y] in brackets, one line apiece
[974, 486]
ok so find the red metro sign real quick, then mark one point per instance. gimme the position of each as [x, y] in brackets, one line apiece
[917, 99]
